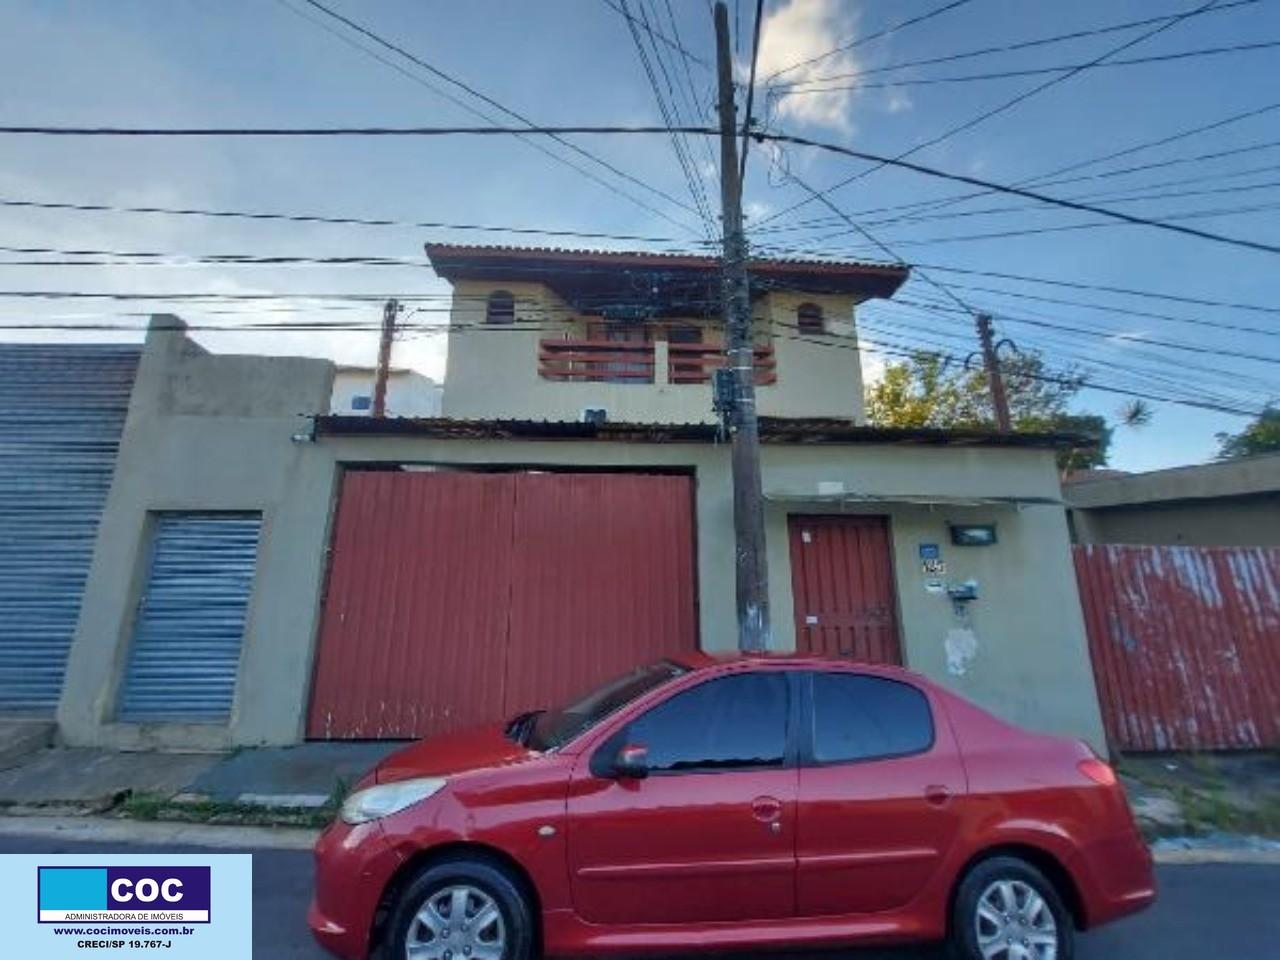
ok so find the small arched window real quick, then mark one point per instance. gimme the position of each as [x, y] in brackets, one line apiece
[809, 318]
[501, 307]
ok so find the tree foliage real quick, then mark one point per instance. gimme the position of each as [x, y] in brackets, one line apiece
[928, 390]
[1261, 436]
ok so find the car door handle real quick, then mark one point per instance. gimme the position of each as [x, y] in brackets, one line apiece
[937, 794]
[766, 809]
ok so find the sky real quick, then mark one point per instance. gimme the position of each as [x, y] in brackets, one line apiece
[284, 63]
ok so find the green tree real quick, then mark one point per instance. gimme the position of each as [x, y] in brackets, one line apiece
[927, 390]
[1261, 436]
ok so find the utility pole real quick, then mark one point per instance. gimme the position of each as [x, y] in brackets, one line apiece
[991, 360]
[389, 312]
[748, 497]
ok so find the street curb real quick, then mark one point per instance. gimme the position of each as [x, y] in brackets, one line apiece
[1217, 855]
[159, 833]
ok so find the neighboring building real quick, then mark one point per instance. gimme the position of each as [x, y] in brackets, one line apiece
[409, 393]
[1230, 503]
[64, 407]
[265, 577]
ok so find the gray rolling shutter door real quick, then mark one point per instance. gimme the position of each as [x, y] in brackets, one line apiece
[62, 410]
[191, 617]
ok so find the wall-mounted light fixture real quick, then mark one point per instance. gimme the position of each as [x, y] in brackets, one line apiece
[973, 534]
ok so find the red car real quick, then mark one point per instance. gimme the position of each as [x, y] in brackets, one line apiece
[719, 804]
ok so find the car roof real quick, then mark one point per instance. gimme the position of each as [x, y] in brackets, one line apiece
[704, 660]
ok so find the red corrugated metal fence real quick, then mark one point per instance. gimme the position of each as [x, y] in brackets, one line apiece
[1185, 644]
[457, 598]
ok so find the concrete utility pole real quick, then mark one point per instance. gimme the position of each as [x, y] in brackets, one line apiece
[389, 312]
[748, 497]
[991, 360]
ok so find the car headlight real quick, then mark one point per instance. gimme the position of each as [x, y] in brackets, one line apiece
[374, 803]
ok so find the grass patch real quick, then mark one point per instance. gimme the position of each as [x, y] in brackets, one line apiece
[144, 806]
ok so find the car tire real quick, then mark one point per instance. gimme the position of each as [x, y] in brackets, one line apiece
[424, 913]
[978, 921]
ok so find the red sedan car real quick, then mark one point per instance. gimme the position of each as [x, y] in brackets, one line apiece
[708, 804]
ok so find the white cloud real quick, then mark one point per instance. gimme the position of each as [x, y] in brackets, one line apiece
[799, 30]
[898, 100]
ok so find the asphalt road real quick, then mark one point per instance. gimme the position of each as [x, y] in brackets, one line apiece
[1204, 911]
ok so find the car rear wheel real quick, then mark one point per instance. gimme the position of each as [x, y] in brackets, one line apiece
[461, 910]
[1006, 909]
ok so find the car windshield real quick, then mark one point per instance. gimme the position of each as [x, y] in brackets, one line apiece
[549, 729]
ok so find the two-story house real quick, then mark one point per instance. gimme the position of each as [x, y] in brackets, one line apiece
[568, 516]
[635, 336]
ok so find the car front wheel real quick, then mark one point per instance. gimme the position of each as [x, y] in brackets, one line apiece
[1006, 909]
[461, 910]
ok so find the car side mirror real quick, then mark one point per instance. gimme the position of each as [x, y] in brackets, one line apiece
[632, 762]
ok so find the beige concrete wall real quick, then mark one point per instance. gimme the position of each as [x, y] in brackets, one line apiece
[1247, 476]
[209, 433]
[1239, 521]
[1029, 662]
[492, 373]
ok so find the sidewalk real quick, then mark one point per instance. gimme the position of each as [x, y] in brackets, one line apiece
[310, 776]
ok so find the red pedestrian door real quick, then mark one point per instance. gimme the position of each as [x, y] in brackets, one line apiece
[843, 590]
[461, 598]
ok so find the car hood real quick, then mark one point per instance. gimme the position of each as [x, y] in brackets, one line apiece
[451, 754]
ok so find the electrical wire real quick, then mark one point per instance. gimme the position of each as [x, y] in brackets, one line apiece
[613, 130]
[502, 108]
[797, 90]
[1005, 106]
[867, 38]
[344, 221]
[1013, 47]
[658, 35]
[670, 117]
[751, 95]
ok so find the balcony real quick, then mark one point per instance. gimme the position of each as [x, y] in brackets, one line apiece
[693, 363]
[611, 361]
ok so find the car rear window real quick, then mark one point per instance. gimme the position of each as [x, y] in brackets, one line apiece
[860, 717]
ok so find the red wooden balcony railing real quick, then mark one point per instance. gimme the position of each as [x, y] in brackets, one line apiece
[693, 363]
[612, 361]
[595, 360]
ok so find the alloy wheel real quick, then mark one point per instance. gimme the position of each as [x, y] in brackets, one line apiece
[458, 922]
[1014, 922]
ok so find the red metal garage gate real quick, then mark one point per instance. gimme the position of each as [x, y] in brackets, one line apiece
[459, 598]
[842, 588]
[1185, 644]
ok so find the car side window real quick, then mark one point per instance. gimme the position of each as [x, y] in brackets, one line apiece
[735, 722]
[860, 717]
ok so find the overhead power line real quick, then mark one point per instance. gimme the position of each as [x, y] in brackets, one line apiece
[435, 71]
[670, 113]
[1049, 178]
[806, 88]
[658, 35]
[751, 92]
[1104, 288]
[924, 206]
[1008, 47]
[986, 115]
[642, 130]
[867, 38]
[341, 221]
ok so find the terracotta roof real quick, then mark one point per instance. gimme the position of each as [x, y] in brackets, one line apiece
[465, 261]
[774, 430]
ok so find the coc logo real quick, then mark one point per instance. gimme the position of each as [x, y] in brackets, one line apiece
[123, 894]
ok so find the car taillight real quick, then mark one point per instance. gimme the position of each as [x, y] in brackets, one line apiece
[1097, 771]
